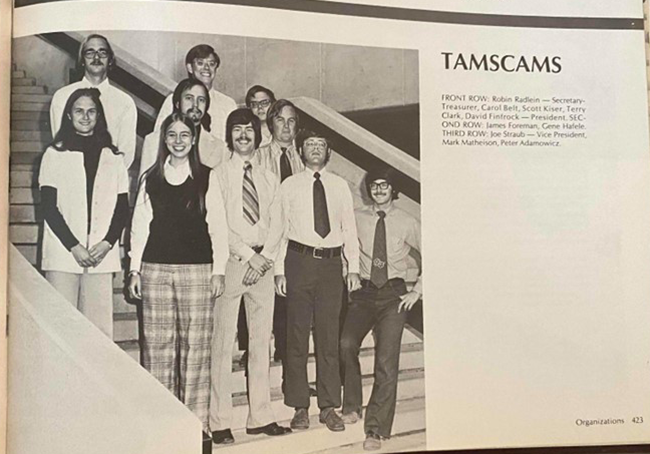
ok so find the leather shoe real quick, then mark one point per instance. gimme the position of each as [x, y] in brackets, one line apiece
[372, 442]
[300, 420]
[223, 437]
[333, 421]
[271, 430]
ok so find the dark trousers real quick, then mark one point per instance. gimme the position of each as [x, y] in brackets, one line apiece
[314, 289]
[279, 328]
[374, 308]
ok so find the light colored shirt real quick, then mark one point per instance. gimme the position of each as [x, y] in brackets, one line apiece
[143, 215]
[269, 158]
[119, 108]
[402, 234]
[211, 150]
[298, 211]
[220, 107]
[242, 236]
[64, 171]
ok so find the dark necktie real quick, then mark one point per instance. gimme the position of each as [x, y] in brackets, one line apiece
[379, 270]
[321, 218]
[285, 165]
[250, 202]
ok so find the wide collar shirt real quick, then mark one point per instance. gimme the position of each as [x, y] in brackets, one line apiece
[298, 211]
[220, 107]
[242, 236]
[64, 171]
[269, 158]
[119, 107]
[402, 234]
[176, 176]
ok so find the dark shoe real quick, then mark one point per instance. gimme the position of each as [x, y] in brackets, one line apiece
[243, 361]
[272, 430]
[372, 442]
[223, 437]
[333, 421]
[300, 420]
[312, 392]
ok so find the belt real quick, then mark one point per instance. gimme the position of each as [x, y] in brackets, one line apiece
[315, 252]
[366, 283]
[257, 249]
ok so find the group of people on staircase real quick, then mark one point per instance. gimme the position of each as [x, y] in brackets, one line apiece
[235, 207]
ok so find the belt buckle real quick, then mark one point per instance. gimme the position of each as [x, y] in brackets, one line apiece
[314, 255]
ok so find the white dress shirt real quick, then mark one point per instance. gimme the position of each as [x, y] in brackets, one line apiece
[298, 212]
[143, 215]
[242, 236]
[269, 158]
[220, 107]
[120, 110]
[211, 150]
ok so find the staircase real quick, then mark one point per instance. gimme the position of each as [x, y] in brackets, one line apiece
[30, 135]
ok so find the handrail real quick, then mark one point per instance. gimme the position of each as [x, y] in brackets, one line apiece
[62, 368]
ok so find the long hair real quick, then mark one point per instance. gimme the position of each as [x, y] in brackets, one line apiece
[153, 178]
[243, 116]
[66, 133]
[80, 55]
[187, 84]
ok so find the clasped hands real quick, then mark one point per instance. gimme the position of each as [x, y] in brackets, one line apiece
[258, 265]
[92, 257]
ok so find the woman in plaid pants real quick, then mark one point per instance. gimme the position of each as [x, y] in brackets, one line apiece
[177, 265]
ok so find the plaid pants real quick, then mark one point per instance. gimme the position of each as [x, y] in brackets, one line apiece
[177, 314]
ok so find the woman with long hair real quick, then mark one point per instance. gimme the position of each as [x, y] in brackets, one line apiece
[84, 201]
[173, 249]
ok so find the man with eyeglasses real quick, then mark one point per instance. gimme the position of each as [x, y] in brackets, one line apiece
[318, 228]
[259, 100]
[96, 58]
[202, 63]
[386, 237]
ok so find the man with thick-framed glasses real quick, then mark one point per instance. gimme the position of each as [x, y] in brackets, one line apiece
[96, 58]
[386, 236]
[202, 63]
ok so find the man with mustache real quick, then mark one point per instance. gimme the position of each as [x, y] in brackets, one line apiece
[251, 196]
[96, 58]
[386, 237]
[191, 98]
[319, 226]
[202, 63]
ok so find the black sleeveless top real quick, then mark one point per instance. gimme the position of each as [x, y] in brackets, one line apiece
[178, 233]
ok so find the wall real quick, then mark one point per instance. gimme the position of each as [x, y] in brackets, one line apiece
[72, 390]
[343, 77]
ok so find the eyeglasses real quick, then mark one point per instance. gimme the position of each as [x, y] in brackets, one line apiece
[383, 185]
[260, 104]
[91, 53]
[316, 144]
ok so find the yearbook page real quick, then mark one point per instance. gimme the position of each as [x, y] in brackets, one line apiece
[459, 254]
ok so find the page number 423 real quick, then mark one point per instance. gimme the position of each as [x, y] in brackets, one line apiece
[637, 420]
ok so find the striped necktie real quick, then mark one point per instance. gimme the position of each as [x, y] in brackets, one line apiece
[250, 201]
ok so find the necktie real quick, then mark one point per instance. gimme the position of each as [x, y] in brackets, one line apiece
[379, 270]
[321, 217]
[250, 202]
[285, 165]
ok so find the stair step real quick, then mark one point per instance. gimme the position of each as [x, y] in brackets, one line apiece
[29, 251]
[40, 116]
[17, 74]
[21, 214]
[35, 90]
[23, 233]
[21, 124]
[121, 305]
[25, 157]
[28, 97]
[415, 440]
[31, 146]
[409, 416]
[30, 107]
[42, 136]
[22, 179]
[22, 81]
[24, 196]
[125, 326]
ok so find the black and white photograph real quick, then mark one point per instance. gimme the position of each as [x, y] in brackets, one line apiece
[241, 217]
